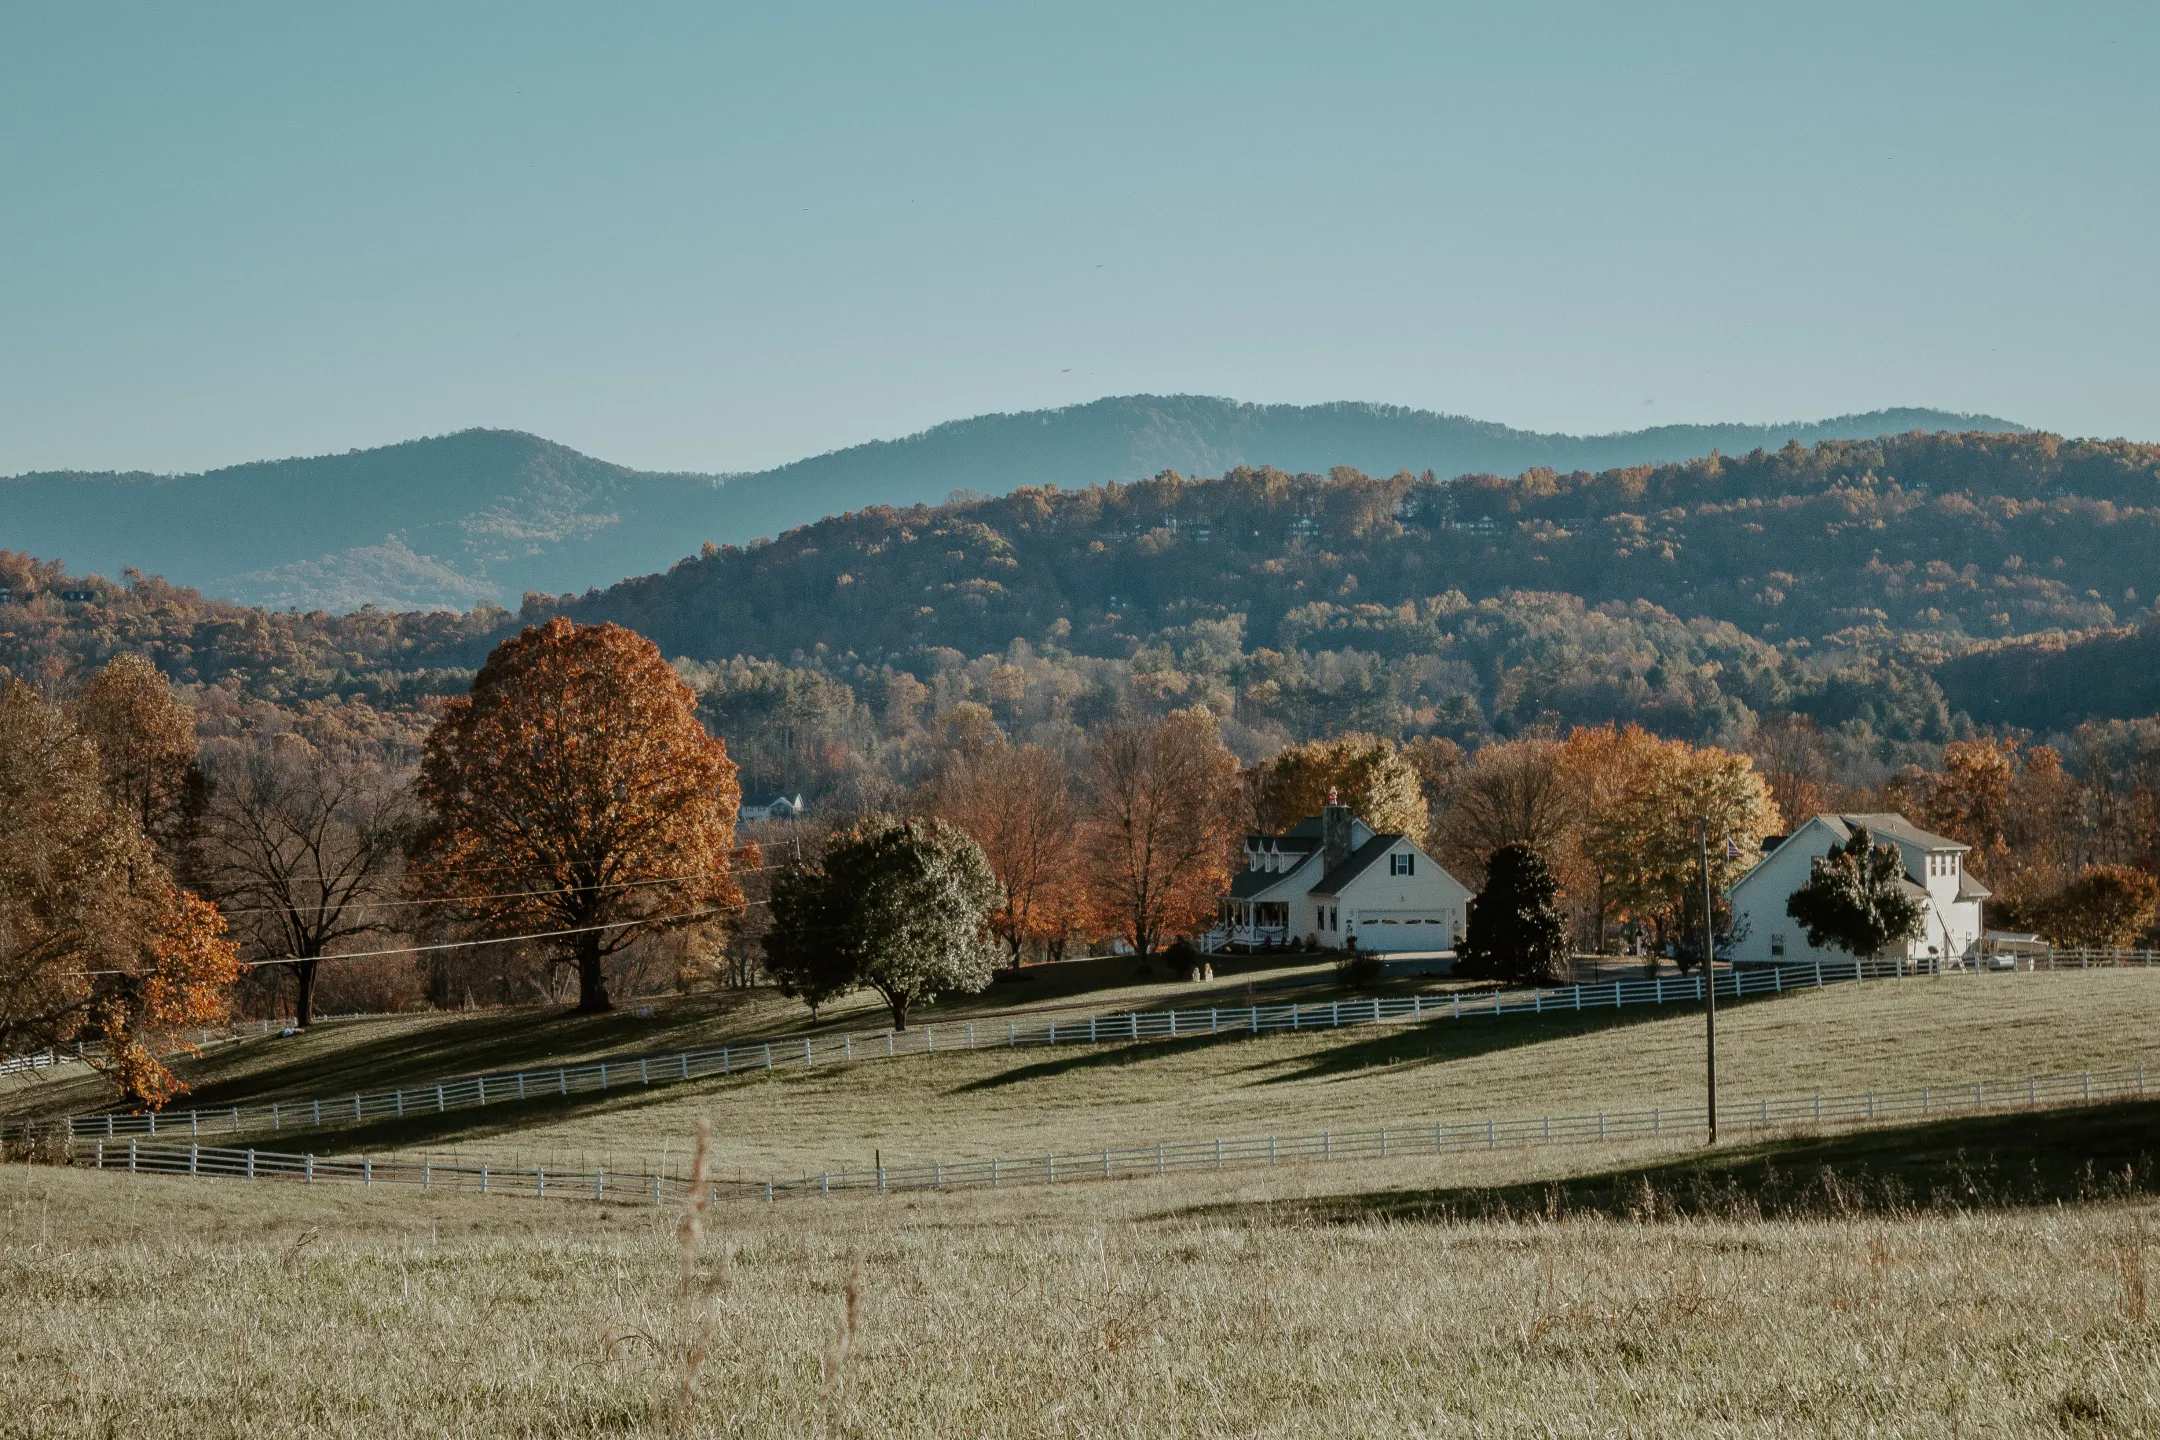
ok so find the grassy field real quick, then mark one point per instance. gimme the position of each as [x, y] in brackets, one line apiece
[337, 1057]
[1924, 1282]
[994, 1102]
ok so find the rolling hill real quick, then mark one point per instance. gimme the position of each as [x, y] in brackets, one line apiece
[485, 515]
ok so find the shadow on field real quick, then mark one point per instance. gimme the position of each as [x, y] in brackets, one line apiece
[1986, 1162]
[1435, 1042]
[1357, 1048]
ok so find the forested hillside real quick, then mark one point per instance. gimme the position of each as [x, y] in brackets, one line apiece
[483, 515]
[1689, 597]
[1897, 592]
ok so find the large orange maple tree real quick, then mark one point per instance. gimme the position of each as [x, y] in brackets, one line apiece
[574, 795]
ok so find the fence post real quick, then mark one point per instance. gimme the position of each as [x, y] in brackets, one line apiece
[656, 1192]
[1159, 1158]
[2032, 1085]
[1417, 1007]
[684, 1061]
[311, 1169]
[483, 1177]
[2088, 1084]
[425, 1178]
[1271, 1149]
[1011, 1035]
[806, 1051]
[540, 1180]
[1458, 1007]
[1488, 1135]
[1218, 1153]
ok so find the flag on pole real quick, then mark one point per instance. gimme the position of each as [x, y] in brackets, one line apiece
[1732, 851]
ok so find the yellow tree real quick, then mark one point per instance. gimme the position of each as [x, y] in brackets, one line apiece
[1600, 767]
[95, 939]
[1970, 799]
[1371, 775]
[1646, 842]
[1164, 813]
[145, 739]
[574, 795]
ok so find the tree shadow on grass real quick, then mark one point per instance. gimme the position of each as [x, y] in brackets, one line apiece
[1982, 1162]
[1357, 1048]
[497, 1120]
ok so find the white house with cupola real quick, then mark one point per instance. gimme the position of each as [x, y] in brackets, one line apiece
[1333, 880]
[1935, 875]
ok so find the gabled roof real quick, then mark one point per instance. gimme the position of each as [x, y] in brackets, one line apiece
[1891, 826]
[1251, 884]
[1290, 844]
[1361, 859]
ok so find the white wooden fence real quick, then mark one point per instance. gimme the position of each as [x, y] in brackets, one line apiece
[439, 1097]
[1412, 1138]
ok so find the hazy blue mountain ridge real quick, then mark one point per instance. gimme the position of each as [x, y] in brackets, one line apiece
[489, 514]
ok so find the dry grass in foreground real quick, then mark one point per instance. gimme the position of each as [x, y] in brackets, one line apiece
[1270, 1304]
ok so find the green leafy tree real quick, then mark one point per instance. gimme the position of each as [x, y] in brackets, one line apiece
[1516, 929]
[1855, 899]
[901, 906]
[805, 948]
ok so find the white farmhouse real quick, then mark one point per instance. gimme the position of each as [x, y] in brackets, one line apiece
[1331, 877]
[1934, 873]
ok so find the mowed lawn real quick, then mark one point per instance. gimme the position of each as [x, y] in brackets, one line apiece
[1009, 1103]
[1310, 1301]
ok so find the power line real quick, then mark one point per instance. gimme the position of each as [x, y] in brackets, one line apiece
[460, 944]
[500, 894]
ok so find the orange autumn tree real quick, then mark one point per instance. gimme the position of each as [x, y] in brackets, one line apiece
[574, 794]
[96, 941]
[1165, 810]
[1017, 804]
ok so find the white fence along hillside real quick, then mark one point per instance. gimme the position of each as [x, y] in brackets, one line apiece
[1124, 1027]
[1409, 1138]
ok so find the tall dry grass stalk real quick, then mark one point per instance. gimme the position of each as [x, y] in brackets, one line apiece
[2130, 1269]
[837, 1365]
[701, 1291]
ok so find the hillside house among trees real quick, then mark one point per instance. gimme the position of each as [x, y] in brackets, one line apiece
[1935, 874]
[1332, 880]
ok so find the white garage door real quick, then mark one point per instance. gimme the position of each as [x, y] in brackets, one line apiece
[1386, 930]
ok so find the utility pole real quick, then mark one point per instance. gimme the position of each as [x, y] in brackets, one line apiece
[1709, 965]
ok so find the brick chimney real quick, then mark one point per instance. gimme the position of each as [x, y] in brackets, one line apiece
[1334, 832]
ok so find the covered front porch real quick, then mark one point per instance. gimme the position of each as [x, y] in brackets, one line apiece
[1251, 923]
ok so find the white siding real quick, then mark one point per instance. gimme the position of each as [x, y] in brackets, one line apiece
[1758, 901]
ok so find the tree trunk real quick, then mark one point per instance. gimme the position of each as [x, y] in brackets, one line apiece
[304, 1003]
[592, 983]
[898, 1004]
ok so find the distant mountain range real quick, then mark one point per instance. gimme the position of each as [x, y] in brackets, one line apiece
[486, 515]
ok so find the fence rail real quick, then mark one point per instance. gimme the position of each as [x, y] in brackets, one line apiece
[440, 1097]
[140, 1156]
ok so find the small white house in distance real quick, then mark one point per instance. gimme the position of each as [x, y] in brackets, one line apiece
[780, 807]
[1934, 873]
[1331, 877]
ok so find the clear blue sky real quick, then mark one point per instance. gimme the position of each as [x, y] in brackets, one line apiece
[709, 237]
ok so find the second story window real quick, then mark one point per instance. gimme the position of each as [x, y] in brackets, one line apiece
[1402, 864]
